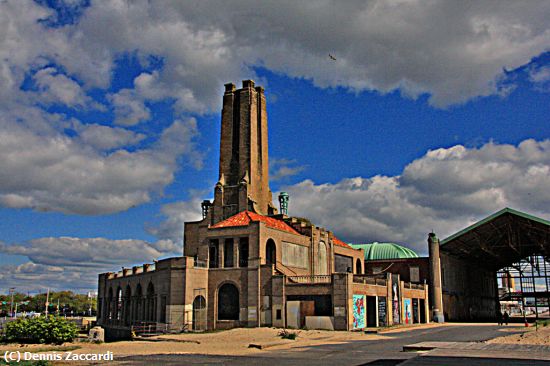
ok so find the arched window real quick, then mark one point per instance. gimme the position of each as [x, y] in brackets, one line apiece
[358, 269]
[228, 302]
[119, 304]
[270, 252]
[109, 307]
[322, 259]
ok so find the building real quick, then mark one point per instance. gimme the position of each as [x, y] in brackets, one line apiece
[246, 264]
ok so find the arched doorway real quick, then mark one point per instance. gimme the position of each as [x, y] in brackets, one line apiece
[358, 269]
[270, 252]
[138, 303]
[228, 302]
[150, 304]
[127, 305]
[199, 313]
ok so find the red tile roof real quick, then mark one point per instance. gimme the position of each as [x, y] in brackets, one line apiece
[340, 243]
[245, 217]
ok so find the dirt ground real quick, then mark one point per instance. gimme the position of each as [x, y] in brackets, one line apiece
[531, 336]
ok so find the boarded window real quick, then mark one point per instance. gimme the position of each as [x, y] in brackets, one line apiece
[343, 263]
[294, 255]
[415, 274]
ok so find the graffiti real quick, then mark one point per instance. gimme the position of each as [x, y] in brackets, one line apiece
[359, 312]
[407, 310]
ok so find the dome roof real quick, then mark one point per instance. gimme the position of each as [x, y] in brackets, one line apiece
[377, 251]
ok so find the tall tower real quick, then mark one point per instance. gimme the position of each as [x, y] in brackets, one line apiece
[243, 182]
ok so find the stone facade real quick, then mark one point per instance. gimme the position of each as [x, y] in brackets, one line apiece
[244, 264]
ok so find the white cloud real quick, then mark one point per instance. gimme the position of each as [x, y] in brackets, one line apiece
[281, 169]
[445, 190]
[175, 215]
[73, 263]
[107, 138]
[129, 109]
[56, 88]
[453, 51]
[52, 172]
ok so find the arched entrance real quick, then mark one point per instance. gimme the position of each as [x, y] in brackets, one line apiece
[358, 269]
[228, 302]
[150, 304]
[270, 252]
[138, 303]
[128, 305]
[199, 313]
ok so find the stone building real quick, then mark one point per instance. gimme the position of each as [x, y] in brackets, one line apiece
[246, 264]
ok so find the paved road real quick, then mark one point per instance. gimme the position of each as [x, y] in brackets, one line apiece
[372, 352]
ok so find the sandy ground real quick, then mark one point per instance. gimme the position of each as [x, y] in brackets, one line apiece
[230, 342]
[531, 336]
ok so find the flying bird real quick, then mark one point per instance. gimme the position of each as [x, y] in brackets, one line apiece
[332, 57]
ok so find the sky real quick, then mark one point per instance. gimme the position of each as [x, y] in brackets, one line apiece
[431, 115]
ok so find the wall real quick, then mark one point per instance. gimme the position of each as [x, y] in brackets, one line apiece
[401, 267]
[468, 290]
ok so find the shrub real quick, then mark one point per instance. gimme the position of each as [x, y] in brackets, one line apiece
[41, 330]
[285, 334]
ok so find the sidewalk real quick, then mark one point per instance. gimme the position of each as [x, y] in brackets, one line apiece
[477, 353]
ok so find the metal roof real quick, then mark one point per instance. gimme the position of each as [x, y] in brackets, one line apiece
[377, 251]
[500, 239]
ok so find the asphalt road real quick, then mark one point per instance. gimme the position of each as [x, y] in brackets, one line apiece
[384, 352]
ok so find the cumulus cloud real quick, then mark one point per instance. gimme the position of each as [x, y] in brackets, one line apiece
[281, 169]
[129, 109]
[107, 138]
[445, 190]
[175, 214]
[56, 88]
[67, 262]
[54, 172]
[452, 51]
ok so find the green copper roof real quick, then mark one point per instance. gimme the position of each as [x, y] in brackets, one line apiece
[377, 251]
[504, 211]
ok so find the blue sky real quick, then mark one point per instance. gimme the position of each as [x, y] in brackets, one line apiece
[432, 116]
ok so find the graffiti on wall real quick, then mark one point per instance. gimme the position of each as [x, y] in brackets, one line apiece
[359, 312]
[407, 311]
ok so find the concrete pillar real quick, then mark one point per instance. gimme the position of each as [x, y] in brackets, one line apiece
[435, 278]
[236, 252]
[389, 300]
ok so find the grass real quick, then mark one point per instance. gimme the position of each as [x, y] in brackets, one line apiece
[47, 349]
[543, 323]
[285, 334]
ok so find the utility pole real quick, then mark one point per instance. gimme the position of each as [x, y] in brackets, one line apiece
[47, 301]
[12, 291]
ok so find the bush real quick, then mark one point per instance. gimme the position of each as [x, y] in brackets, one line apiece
[285, 334]
[41, 330]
